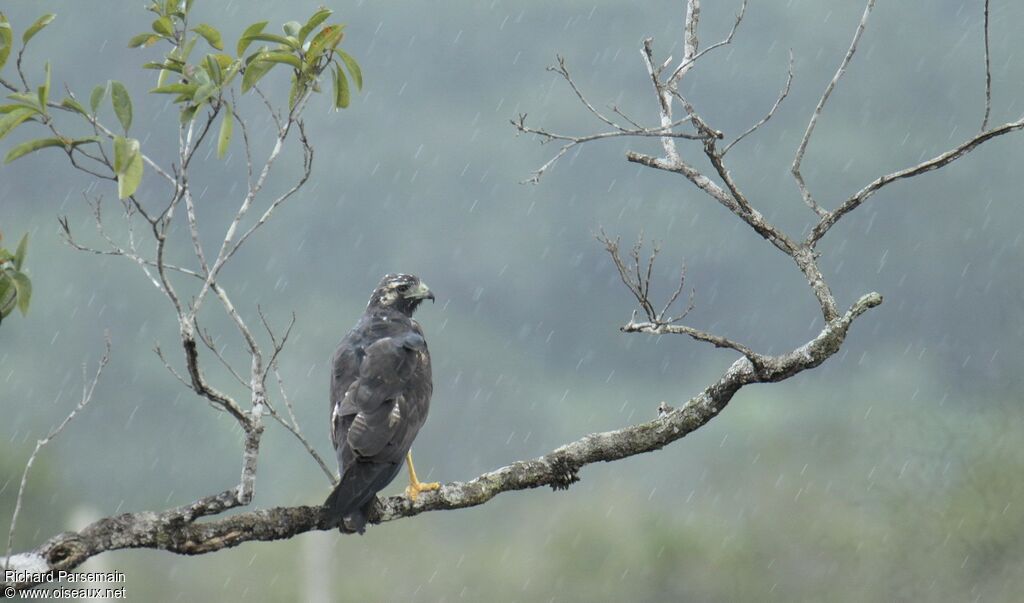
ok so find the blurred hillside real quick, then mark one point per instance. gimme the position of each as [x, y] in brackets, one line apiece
[893, 472]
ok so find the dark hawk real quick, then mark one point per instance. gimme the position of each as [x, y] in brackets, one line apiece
[380, 394]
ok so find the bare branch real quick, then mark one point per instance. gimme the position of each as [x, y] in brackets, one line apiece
[686, 64]
[296, 430]
[88, 388]
[546, 136]
[170, 369]
[782, 96]
[939, 161]
[988, 76]
[638, 281]
[799, 157]
[176, 530]
[563, 71]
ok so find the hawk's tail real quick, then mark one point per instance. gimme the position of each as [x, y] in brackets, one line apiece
[352, 497]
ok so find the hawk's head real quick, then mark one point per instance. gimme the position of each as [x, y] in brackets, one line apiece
[402, 292]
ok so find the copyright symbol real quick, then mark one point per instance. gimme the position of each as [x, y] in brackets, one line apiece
[9, 592]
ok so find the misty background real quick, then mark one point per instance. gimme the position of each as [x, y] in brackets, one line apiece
[891, 472]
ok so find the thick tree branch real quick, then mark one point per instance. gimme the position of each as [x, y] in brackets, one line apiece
[176, 530]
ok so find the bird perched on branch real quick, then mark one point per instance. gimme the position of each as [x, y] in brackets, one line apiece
[380, 394]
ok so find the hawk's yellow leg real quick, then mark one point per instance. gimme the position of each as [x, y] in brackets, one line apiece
[415, 485]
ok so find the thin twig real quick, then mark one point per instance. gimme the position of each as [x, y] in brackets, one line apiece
[799, 157]
[782, 96]
[830, 218]
[988, 76]
[88, 388]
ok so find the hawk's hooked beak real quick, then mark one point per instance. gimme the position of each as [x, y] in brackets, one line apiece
[421, 292]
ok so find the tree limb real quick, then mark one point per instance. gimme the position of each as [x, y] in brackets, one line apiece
[177, 531]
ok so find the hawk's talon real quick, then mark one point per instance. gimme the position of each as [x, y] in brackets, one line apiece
[412, 491]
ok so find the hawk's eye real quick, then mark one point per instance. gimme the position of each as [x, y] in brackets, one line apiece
[404, 288]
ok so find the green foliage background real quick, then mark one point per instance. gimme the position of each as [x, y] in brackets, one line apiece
[892, 472]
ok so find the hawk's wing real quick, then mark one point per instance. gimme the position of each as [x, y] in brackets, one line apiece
[381, 393]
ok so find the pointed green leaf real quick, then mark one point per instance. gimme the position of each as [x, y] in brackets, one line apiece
[164, 26]
[326, 39]
[265, 37]
[31, 146]
[352, 66]
[204, 92]
[24, 288]
[188, 113]
[253, 73]
[74, 105]
[44, 90]
[245, 40]
[226, 125]
[179, 88]
[318, 17]
[6, 40]
[210, 34]
[129, 179]
[143, 39]
[122, 104]
[8, 295]
[97, 97]
[125, 150]
[33, 29]
[281, 57]
[292, 28]
[341, 91]
[165, 66]
[19, 253]
[189, 45]
[13, 119]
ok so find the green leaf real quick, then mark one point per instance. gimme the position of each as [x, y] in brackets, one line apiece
[8, 296]
[341, 91]
[74, 105]
[280, 57]
[204, 92]
[122, 104]
[188, 113]
[169, 65]
[19, 253]
[33, 29]
[224, 137]
[292, 28]
[352, 66]
[27, 100]
[179, 88]
[128, 165]
[265, 37]
[245, 40]
[143, 39]
[164, 26]
[13, 119]
[6, 40]
[125, 150]
[97, 97]
[187, 49]
[253, 73]
[23, 286]
[210, 34]
[31, 146]
[318, 17]
[327, 38]
[44, 90]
